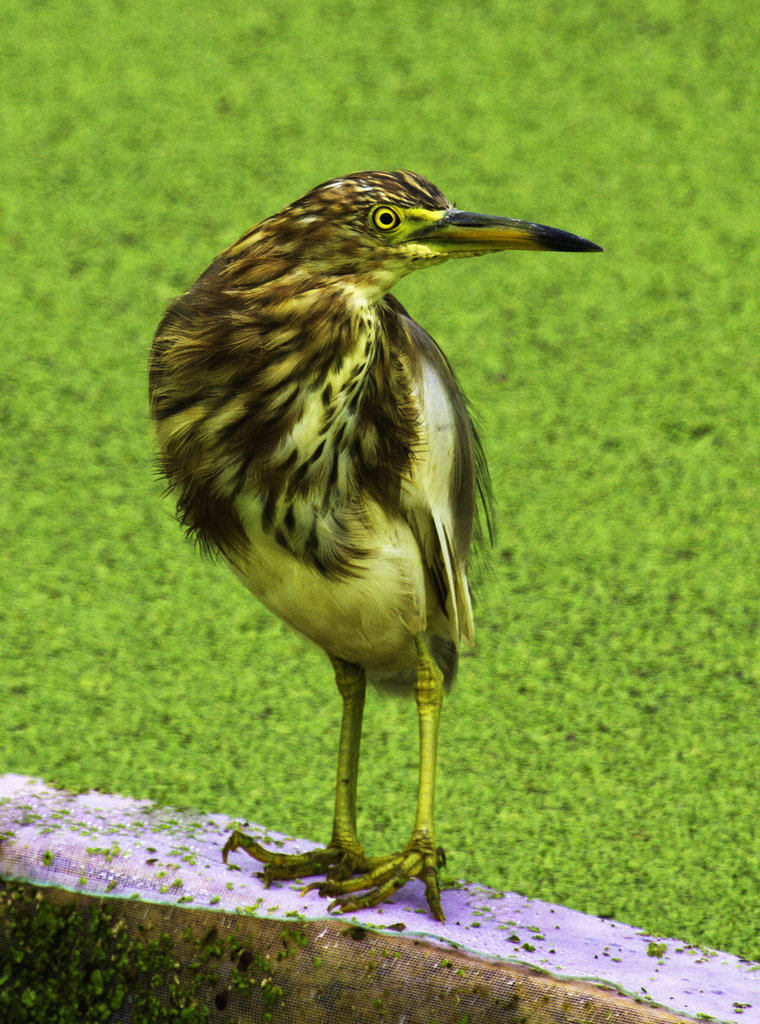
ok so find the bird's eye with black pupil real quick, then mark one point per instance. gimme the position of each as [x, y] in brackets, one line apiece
[384, 218]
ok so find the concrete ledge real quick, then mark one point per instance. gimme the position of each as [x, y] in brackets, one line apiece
[148, 887]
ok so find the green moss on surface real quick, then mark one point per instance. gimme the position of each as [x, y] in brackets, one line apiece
[63, 964]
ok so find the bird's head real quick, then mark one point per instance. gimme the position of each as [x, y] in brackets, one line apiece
[371, 228]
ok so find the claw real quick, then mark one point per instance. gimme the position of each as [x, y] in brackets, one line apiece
[385, 876]
[311, 887]
[354, 881]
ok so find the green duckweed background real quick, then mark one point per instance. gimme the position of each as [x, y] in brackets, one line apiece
[600, 748]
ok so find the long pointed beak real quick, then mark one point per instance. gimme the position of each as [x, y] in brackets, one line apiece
[474, 233]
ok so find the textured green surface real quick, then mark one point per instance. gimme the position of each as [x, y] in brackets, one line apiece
[152, 969]
[601, 745]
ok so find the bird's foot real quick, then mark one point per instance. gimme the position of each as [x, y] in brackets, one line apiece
[380, 877]
[337, 862]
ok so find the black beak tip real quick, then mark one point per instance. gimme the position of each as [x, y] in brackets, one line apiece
[564, 241]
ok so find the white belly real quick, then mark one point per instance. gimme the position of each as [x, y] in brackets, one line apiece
[370, 619]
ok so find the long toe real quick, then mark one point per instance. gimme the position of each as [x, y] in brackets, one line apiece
[333, 860]
[386, 875]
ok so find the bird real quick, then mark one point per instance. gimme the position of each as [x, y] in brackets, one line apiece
[317, 440]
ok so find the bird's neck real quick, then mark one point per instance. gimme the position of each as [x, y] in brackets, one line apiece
[285, 387]
[334, 354]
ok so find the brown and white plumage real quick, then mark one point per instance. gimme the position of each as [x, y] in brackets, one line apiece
[301, 408]
[317, 438]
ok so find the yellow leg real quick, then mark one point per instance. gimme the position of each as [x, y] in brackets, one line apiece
[352, 686]
[382, 876]
[377, 878]
[344, 855]
[345, 852]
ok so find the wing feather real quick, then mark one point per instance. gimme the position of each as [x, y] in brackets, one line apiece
[449, 477]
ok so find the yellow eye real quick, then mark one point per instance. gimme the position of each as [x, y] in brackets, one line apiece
[384, 218]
